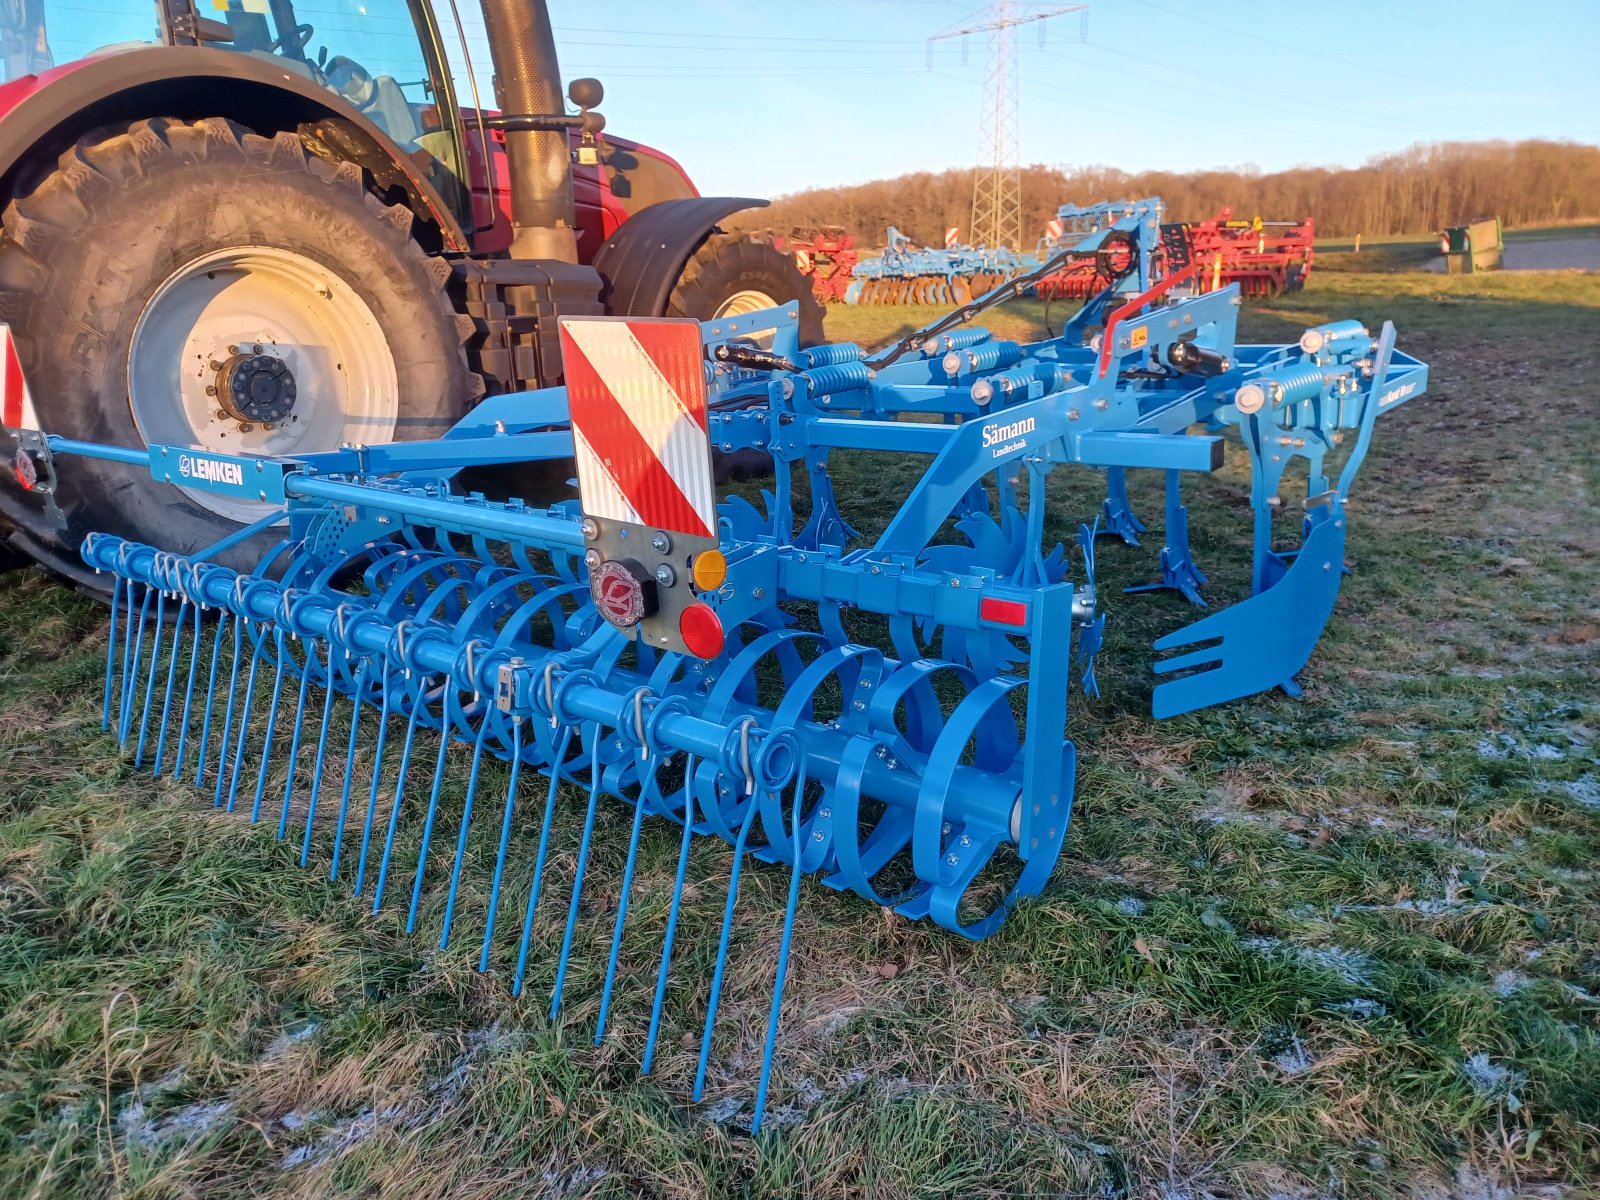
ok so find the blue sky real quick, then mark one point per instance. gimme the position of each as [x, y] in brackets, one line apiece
[763, 97]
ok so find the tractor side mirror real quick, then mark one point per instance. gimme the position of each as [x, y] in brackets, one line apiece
[586, 93]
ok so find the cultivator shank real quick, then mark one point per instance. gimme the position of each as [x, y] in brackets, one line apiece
[884, 712]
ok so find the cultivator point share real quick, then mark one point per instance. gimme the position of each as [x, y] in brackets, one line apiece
[884, 712]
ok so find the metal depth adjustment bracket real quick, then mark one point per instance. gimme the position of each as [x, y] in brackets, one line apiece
[637, 392]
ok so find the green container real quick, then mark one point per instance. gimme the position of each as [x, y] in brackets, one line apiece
[1476, 246]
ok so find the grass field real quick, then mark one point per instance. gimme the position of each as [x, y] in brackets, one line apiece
[1344, 946]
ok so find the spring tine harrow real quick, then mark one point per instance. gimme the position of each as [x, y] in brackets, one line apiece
[483, 681]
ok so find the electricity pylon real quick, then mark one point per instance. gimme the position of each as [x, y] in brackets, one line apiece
[997, 183]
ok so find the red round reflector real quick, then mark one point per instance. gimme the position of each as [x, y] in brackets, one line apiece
[27, 473]
[701, 630]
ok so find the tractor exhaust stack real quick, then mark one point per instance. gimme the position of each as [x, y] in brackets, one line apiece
[528, 81]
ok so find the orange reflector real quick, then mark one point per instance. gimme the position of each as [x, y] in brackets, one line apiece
[1003, 612]
[701, 629]
[710, 568]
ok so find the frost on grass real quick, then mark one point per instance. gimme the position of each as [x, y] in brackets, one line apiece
[1131, 906]
[439, 1096]
[1362, 1008]
[1294, 1060]
[1492, 1081]
[1586, 791]
[1351, 966]
[183, 1126]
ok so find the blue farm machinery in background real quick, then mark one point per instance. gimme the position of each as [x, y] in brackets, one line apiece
[885, 712]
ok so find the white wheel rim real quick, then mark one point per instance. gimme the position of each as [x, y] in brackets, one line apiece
[747, 301]
[291, 307]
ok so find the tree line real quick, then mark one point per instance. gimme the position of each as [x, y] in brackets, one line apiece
[1414, 191]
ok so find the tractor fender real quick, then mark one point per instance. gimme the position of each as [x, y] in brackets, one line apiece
[43, 115]
[640, 262]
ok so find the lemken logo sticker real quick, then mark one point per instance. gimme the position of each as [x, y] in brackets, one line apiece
[210, 470]
[1006, 437]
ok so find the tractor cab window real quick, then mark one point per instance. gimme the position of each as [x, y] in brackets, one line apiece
[367, 51]
[36, 35]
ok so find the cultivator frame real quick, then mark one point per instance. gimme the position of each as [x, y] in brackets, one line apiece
[887, 713]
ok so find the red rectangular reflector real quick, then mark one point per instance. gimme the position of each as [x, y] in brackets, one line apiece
[1003, 612]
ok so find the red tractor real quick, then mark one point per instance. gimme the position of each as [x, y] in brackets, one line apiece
[260, 226]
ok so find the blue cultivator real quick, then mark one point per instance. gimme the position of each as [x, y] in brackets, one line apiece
[909, 274]
[886, 713]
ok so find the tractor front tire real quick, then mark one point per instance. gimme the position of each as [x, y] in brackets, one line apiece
[141, 248]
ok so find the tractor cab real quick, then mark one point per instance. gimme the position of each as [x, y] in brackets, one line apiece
[379, 57]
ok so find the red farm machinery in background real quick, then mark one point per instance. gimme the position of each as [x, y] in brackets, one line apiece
[1265, 258]
[824, 254]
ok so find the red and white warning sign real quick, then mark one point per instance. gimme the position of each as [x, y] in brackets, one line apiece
[952, 237]
[1054, 230]
[16, 402]
[637, 392]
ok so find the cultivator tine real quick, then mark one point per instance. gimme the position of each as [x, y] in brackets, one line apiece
[386, 687]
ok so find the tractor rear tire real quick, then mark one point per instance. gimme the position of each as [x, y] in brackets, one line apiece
[734, 273]
[89, 250]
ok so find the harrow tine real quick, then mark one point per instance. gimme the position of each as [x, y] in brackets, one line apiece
[272, 724]
[427, 825]
[377, 778]
[539, 860]
[239, 628]
[349, 766]
[466, 825]
[172, 677]
[505, 841]
[130, 665]
[188, 693]
[150, 679]
[223, 617]
[577, 878]
[672, 916]
[646, 789]
[294, 740]
[419, 702]
[783, 959]
[322, 745]
[722, 948]
[111, 654]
